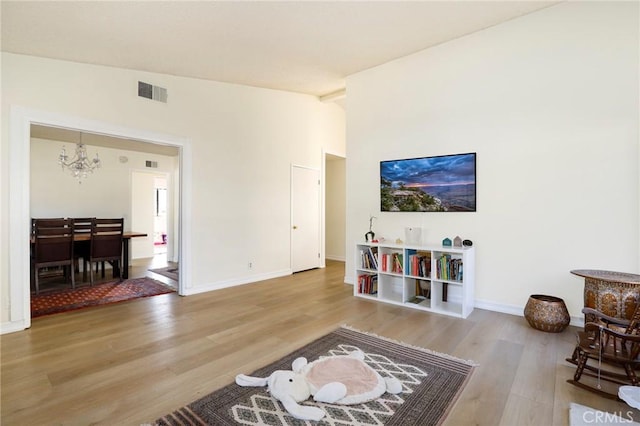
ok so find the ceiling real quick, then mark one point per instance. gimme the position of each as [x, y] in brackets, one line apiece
[300, 46]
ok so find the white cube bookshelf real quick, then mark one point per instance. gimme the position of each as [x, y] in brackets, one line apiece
[431, 278]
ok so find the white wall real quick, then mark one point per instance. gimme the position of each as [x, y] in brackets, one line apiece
[335, 209]
[242, 142]
[105, 193]
[549, 102]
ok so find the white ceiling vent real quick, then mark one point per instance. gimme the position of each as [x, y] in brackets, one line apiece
[151, 164]
[149, 91]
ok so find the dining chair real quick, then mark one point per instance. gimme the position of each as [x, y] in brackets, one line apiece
[106, 245]
[53, 246]
[82, 242]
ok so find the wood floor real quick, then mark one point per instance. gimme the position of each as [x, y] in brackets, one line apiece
[130, 363]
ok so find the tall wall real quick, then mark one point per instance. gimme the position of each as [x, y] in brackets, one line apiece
[242, 143]
[549, 102]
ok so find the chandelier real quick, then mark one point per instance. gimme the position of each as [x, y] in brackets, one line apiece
[79, 166]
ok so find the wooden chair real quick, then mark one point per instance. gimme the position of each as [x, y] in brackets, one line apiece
[82, 249]
[106, 245]
[53, 246]
[613, 345]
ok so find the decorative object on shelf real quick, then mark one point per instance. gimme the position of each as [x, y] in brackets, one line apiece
[546, 313]
[398, 241]
[370, 236]
[80, 166]
[457, 242]
[413, 235]
[467, 243]
[446, 242]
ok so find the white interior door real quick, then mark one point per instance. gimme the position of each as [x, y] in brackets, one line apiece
[305, 218]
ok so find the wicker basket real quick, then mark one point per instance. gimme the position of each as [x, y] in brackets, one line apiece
[547, 313]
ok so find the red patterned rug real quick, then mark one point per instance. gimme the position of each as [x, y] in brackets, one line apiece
[99, 294]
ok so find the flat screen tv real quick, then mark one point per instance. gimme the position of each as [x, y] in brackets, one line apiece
[445, 183]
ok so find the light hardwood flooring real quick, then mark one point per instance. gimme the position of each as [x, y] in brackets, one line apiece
[130, 363]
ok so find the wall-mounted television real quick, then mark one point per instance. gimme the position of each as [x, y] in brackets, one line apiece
[444, 183]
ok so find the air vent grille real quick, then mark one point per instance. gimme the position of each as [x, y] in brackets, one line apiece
[149, 91]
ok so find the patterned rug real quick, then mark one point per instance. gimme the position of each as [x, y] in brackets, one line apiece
[431, 384]
[99, 294]
[169, 272]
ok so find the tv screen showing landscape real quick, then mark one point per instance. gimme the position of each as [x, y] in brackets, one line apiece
[445, 183]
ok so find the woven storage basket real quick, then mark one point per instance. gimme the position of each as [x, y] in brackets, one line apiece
[547, 313]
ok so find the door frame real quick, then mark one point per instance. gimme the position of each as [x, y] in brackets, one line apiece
[320, 216]
[20, 121]
[323, 201]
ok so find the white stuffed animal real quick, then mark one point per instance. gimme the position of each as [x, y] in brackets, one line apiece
[341, 379]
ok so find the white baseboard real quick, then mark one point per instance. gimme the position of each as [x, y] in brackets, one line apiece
[236, 282]
[500, 307]
[332, 257]
[12, 327]
[516, 310]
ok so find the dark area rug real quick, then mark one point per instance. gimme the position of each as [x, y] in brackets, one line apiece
[169, 272]
[431, 384]
[99, 294]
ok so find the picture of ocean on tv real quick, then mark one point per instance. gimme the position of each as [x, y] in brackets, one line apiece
[445, 183]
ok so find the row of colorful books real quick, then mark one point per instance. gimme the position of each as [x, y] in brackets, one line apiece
[367, 284]
[391, 262]
[369, 258]
[420, 265]
[449, 268]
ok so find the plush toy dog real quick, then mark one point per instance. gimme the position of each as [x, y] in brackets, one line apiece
[341, 379]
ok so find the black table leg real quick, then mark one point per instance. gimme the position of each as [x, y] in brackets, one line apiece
[125, 258]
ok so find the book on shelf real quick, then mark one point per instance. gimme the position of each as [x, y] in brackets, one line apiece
[396, 263]
[384, 262]
[367, 284]
[419, 263]
[416, 300]
[369, 258]
[373, 254]
[449, 268]
[423, 289]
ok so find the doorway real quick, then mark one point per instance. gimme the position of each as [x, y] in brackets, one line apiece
[335, 209]
[151, 213]
[21, 120]
[160, 229]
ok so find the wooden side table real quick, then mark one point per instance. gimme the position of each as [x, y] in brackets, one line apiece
[616, 294]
